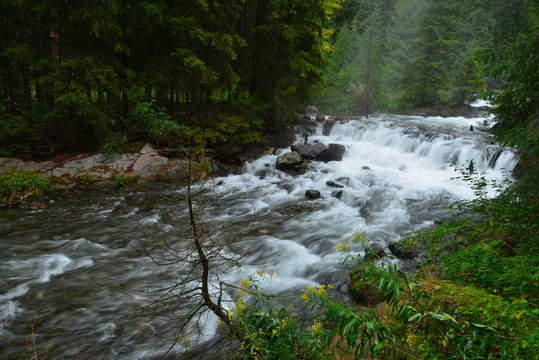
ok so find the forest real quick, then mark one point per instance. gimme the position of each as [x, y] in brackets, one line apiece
[97, 75]
[82, 75]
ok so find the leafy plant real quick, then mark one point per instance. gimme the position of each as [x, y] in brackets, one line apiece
[490, 242]
[124, 179]
[154, 121]
[20, 184]
[84, 176]
[13, 129]
[113, 144]
[275, 332]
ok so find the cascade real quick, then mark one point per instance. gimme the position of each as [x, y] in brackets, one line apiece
[77, 266]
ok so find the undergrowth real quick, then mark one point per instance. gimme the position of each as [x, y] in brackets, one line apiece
[18, 185]
[474, 298]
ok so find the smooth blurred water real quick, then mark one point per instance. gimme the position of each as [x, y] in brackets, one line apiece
[76, 268]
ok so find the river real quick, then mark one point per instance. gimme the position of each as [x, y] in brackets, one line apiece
[76, 271]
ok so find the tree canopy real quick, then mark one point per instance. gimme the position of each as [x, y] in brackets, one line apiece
[72, 72]
[426, 52]
[77, 74]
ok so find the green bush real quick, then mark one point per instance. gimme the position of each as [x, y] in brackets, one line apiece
[485, 308]
[155, 122]
[124, 179]
[432, 319]
[14, 130]
[273, 332]
[20, 184]
[490, 242]
[84, 176]
[417, 318]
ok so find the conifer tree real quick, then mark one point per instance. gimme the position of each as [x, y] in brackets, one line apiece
[432, 54]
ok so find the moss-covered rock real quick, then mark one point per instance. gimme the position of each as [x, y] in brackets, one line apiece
[363, 291]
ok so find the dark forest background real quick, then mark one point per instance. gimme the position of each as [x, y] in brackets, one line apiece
[98, 74]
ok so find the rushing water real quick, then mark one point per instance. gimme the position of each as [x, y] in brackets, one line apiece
[76, 270]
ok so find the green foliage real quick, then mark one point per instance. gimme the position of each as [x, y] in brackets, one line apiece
[516, 102]
[423, 52]
[421, 318]
[87, 64]
[18, 185]
[288, 50]
[492, 242]
[114, 143]
[515, 322]
[428, 71]
[124, 179]
[447, 321]
[487, 309]
[273, 332]
[239, 123]
[13, 131]
[70, 83]
[84, 176]
[467, 83]
[154, 121]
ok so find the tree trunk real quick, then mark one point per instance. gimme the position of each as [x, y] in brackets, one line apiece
[160, 95]
[368, 80]
[253, 81]
[277, 106]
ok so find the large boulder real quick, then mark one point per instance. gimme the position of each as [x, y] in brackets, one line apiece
[149, 164]
[328, 156]
[290, 161]
[337, 148]
[328, 125]
[309, 151]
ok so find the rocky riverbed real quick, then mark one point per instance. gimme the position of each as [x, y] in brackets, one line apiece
[67, 168]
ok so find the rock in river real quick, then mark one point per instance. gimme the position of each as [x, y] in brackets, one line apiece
[312, 194]
[309, 151]
[290, 161]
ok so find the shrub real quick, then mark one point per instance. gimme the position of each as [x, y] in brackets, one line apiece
[275, 332]
[84, 176]
[441, 320]
[124, 179]
[13, 130]
[20, 184]
[155, 122]
[490, 242]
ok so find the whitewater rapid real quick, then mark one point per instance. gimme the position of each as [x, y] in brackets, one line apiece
[77, 267]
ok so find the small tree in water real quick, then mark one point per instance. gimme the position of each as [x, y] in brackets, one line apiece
[191, 261]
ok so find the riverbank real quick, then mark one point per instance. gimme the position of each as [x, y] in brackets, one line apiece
[145, 164]
[24, 181]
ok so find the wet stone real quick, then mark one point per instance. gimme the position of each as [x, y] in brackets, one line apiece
[312, 194]
[337, 194]
[334, 184]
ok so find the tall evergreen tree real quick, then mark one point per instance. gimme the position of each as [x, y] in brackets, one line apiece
[432, 54]
[289, 46]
